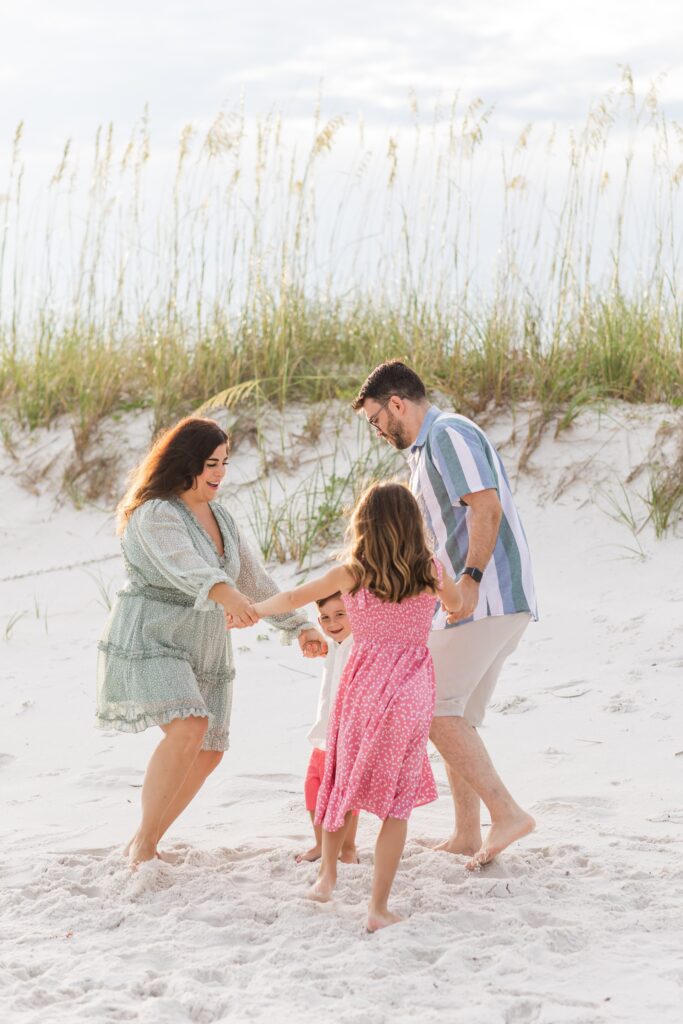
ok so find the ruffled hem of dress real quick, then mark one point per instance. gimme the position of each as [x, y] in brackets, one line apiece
[215, 739]
[366, 805]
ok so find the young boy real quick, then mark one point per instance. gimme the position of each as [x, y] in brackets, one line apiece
[334, 624]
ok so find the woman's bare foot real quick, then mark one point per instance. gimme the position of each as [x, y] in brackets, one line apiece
[310, 856]
[466, 846]
[381, 919]
[501, 835]
[141, 851]
[322, 890]
[349, 855]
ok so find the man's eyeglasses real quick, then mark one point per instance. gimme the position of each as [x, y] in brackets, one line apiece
[372, 420]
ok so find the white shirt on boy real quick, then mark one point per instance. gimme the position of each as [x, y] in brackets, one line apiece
[335, 661]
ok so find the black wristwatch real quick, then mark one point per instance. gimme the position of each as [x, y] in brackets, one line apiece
[476, 574]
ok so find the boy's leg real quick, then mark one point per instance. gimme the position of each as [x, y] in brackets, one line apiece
[314, 777]
[314, 853]
[390, 843]
[349, 854]
[327, 875]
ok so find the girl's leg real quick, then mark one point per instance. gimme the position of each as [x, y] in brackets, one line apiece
[314, 853]
[327, 875]
[349, 853]
[390, 843]
[167, 771]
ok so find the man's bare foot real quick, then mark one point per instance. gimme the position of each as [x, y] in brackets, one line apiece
[381, 919]
[126, 849]
[322, 891]
[140, 852]
[463, 845]
[501, 835]
[309, 856]
[349, 856]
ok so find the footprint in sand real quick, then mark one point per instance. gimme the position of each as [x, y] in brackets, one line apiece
[6, 759]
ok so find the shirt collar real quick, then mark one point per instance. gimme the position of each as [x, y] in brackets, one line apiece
[419, 441]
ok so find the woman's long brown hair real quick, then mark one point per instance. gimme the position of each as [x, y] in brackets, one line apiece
[175, 459]
[389, 553]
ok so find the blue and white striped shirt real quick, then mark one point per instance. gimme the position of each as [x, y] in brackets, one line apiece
[452, 457]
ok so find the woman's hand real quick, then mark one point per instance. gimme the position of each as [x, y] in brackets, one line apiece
[239, 611]
[312, 643]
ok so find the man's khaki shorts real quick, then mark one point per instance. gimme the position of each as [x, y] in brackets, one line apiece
[468, 660]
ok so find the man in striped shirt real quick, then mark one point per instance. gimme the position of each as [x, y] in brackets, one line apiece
[459, 481]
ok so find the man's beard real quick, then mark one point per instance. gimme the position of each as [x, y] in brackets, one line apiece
[395, 434]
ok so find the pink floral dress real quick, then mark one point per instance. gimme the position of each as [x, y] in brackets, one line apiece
[377, 736]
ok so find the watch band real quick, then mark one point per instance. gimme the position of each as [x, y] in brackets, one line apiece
[476, 574]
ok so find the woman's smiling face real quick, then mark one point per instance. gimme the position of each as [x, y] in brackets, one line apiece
[207, 483]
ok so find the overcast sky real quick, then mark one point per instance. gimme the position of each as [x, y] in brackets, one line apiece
[66, 67]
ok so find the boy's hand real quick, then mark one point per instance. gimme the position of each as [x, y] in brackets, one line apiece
[312, 644]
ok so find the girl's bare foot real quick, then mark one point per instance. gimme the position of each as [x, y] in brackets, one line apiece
[381, 919]
[310, 856]
[349, 856]
[466, 846]
[141, 851]
[501, 835]
[321, 891]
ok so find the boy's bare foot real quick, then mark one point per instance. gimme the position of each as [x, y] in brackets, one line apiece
[140, 852]
[309, 856]
[349, 856]
[466, 846]
[501, 835]
[381, 919]
[321, 891]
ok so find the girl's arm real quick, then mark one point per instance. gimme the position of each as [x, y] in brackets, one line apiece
[336, 579]
[449, 594]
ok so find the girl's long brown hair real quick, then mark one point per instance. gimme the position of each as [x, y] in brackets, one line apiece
[389, 553]
[174, 460]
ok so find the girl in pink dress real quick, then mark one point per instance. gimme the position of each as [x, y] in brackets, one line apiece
[377, 736]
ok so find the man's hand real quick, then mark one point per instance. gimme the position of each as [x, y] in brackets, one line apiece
[469, 595]
[312, 643]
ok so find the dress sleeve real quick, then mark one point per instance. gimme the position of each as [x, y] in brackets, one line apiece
[164, 540]
[256, 584]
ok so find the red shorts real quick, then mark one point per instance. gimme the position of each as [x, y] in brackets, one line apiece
[314, 777]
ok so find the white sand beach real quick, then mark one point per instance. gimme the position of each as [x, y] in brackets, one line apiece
[580, 923]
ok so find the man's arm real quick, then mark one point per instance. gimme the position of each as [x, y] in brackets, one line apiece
[483, 523]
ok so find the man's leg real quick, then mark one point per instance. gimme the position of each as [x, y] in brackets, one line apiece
[466, 836]
[479, 650]
[462, 749]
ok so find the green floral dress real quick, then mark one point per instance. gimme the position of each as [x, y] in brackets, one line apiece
[165, 652]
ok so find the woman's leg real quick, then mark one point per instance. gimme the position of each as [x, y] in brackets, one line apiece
[390, 843]
[349, 853]
[327, 875]
[166, 773]
[205, 763]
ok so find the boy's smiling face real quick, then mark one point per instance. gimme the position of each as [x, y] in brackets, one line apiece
[333, 619]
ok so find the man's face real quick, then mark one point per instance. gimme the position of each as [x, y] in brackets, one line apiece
[384, 418]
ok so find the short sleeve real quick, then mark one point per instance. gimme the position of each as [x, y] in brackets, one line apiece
[163, 538]
[461, 458]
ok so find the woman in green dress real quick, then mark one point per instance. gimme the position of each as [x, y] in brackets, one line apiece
[165, 657]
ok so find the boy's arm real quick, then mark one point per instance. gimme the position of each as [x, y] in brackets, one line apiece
[336, 579]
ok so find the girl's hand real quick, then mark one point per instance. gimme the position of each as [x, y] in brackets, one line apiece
[312, 644]
[239, 611]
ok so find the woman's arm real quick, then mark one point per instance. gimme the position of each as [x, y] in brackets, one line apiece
[336, 579]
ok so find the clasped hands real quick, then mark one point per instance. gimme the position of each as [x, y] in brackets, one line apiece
[240, 613]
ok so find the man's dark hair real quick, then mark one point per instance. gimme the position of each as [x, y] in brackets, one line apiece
[391, 378]
[330, 597]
